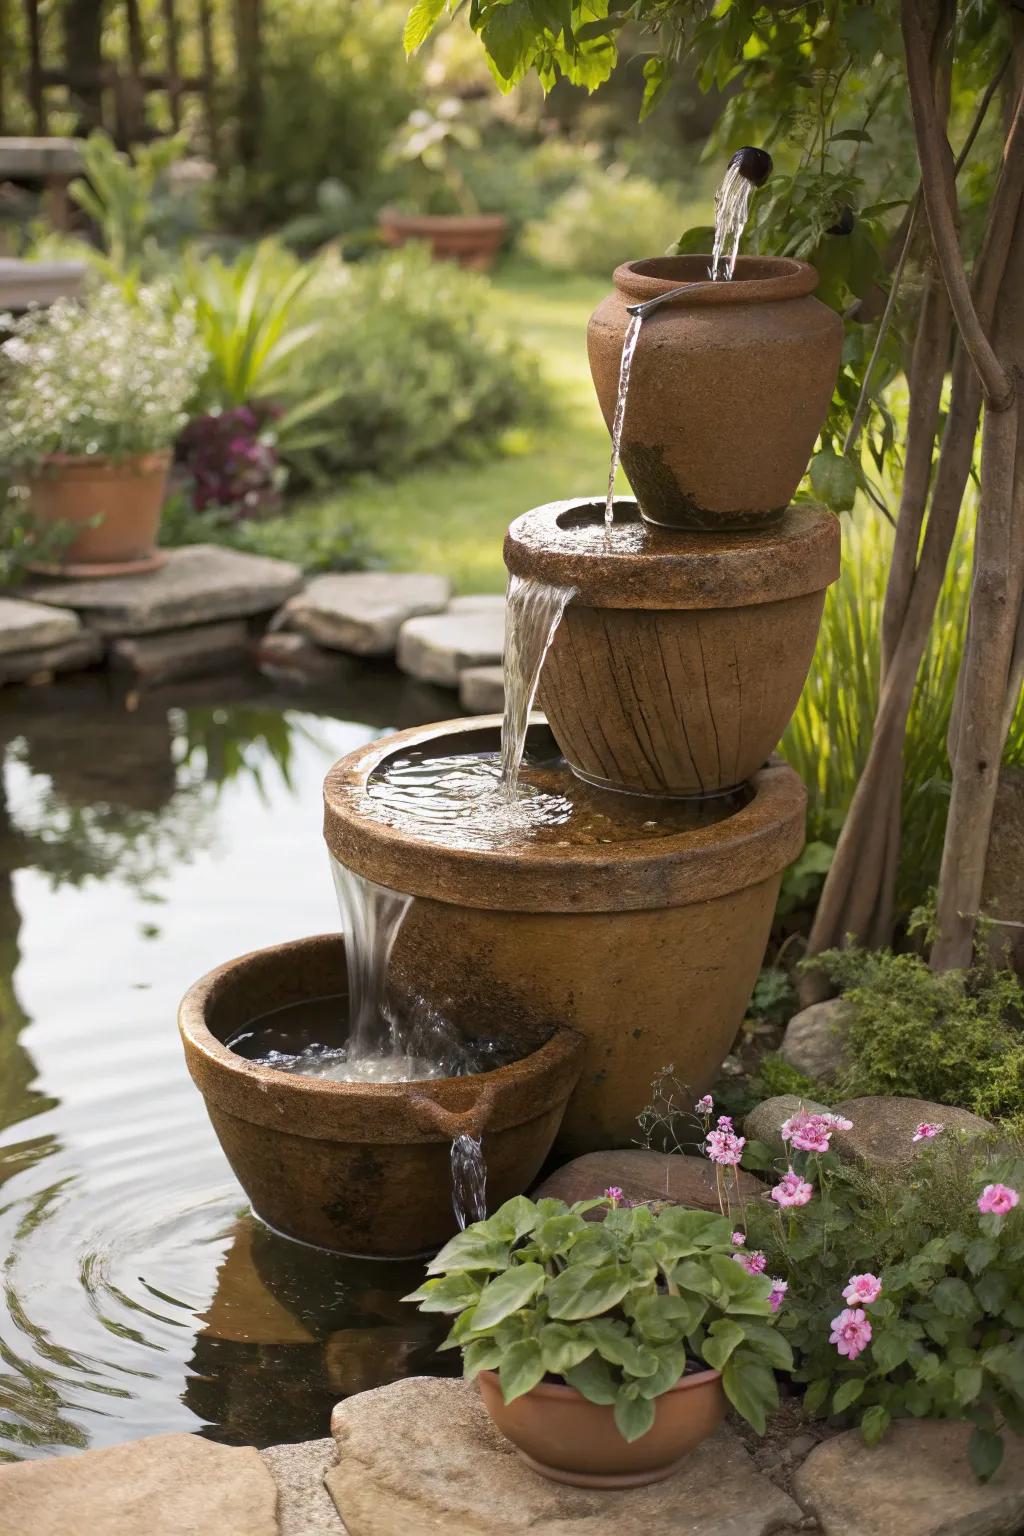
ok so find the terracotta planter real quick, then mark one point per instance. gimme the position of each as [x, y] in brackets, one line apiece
[473, 240]
[359, 1167]
[124, 497]
[561, 1435]
[648, 946]
[680, 660]
[729, 388]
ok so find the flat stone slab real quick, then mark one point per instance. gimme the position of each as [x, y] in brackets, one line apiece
[167, 1485]
[304, 1507]
[916, 1482]
[24, 283]
[178, 653]
[199, 583]
[643, 1175]
[815, 1039]
[883, 1128]
[482, 690]
[363, 611]
[83, 650]
[423, 1456]
[25, 626]
[438, 648]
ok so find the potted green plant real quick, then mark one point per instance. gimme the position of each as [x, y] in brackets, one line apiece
[94, 394]
[606, 1350]
[434, 148]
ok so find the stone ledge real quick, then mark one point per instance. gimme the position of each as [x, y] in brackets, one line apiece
[363, 611]
[304, 1507]
[438, 648]
[83, 650]
[179, 653]
[482, 690]
[25, 626]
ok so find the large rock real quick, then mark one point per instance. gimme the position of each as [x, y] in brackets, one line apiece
[815, 1039]
[198, 584]
[168, 1485]
[363, 611]
[27, 627]
[643, 1176]
[883, 1128]
[193, 652]
[438, 648]
[1002, 894]
[917, 1482]
[482, 690]
[766, 1120]
[423, 1456]
[304, 1507]
[83, 650]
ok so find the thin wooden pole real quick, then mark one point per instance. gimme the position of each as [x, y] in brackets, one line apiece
[36, 96]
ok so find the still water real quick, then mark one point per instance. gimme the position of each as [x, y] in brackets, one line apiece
[143, 841]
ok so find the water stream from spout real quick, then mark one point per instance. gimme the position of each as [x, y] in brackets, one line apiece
[533, 611]
[732, 208]
[469, 1180]
[629, 342]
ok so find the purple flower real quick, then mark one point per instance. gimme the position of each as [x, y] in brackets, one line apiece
[777, 1294]
[753, 1263]
[613, 1193]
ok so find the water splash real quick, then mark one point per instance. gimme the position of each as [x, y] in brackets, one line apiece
[469, 1180]
[629, 342]
[533, 611]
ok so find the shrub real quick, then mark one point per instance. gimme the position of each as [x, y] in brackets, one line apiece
[606, 218]
[231, 460]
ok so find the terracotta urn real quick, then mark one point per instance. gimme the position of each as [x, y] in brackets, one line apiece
[649, 944]
[560, 1434]
[681, 657]
[114, 503]
[473, 240]
[361, 1168]
[729, 387]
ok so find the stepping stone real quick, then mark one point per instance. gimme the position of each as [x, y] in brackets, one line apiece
[482, 690]
[304, 1507]
[363, 611]
[167, 1485]
[815, 1039]
[437, 649]
[643, 1175]
[916, 1482]
[178, 653]
[766, 1120]
[423, 1455]
[25, 626]
[883, 1128]
[82, 650]
[479, 602]
[199, 584]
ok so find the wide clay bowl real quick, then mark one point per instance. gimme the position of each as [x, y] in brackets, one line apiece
[359, 1168]
[729, 387]
[680, 658]
[561, 1435]
[645, 934]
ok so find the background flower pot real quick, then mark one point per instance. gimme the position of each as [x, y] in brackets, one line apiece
[649, 946]
[473, 240]
[124, 497]
[729, 387]
[679, 661]
[359, 1167]
[561, 1435]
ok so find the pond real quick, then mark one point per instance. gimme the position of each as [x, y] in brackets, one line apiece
[143, 840]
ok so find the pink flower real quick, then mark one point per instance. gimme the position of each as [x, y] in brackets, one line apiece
[862, 1290]
[724, 1146]
[997, 1200]
[926, 1131]
[613, 1193]
[777, 1293]
[792, 1189]
[851, 1332]
[739, 1238]
[837, 1122]
[810, 1133]
[753, 1263]
[705, 1105]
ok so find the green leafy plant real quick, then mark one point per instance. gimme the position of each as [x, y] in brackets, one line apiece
[616, 1309]
[607, 217]
[118, 192]
[435, 146]
[23, 542]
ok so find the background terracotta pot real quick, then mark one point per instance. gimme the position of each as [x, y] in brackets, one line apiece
[729, 387]
[680, 660]
[359, 1167]
[124, 496]
[649, 947]
[561, 1435]
[473, 240]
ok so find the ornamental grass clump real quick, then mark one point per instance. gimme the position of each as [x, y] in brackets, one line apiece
[108, 376]
[616, 1309]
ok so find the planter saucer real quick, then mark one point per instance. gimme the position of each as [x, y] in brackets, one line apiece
[87, 569]
[609, 1480]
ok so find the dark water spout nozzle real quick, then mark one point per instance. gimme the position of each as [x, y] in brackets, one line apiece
[754, 165]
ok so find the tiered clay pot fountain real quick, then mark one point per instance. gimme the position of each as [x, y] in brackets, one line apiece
[605, 914]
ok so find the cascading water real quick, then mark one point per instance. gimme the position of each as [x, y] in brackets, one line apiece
[469, 1180]
[630, 340]
[748, 169]
[533, 611]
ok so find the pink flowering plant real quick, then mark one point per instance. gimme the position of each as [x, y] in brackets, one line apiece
[619, 1308]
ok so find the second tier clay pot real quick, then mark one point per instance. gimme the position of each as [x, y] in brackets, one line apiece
[114, 505]
[360, 1168]
[729, 388]
[646, 937]
[681, 657]
[473, 240]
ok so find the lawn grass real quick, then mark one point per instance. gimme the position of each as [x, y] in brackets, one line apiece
[452, 519]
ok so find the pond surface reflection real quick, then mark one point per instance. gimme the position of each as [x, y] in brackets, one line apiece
[144, 840]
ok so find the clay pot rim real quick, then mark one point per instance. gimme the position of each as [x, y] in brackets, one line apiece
[564, 543]
[540, 1077]
[156, 459]
[562, 1391]
[443, 223]
[758, 280]
[754, 843]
